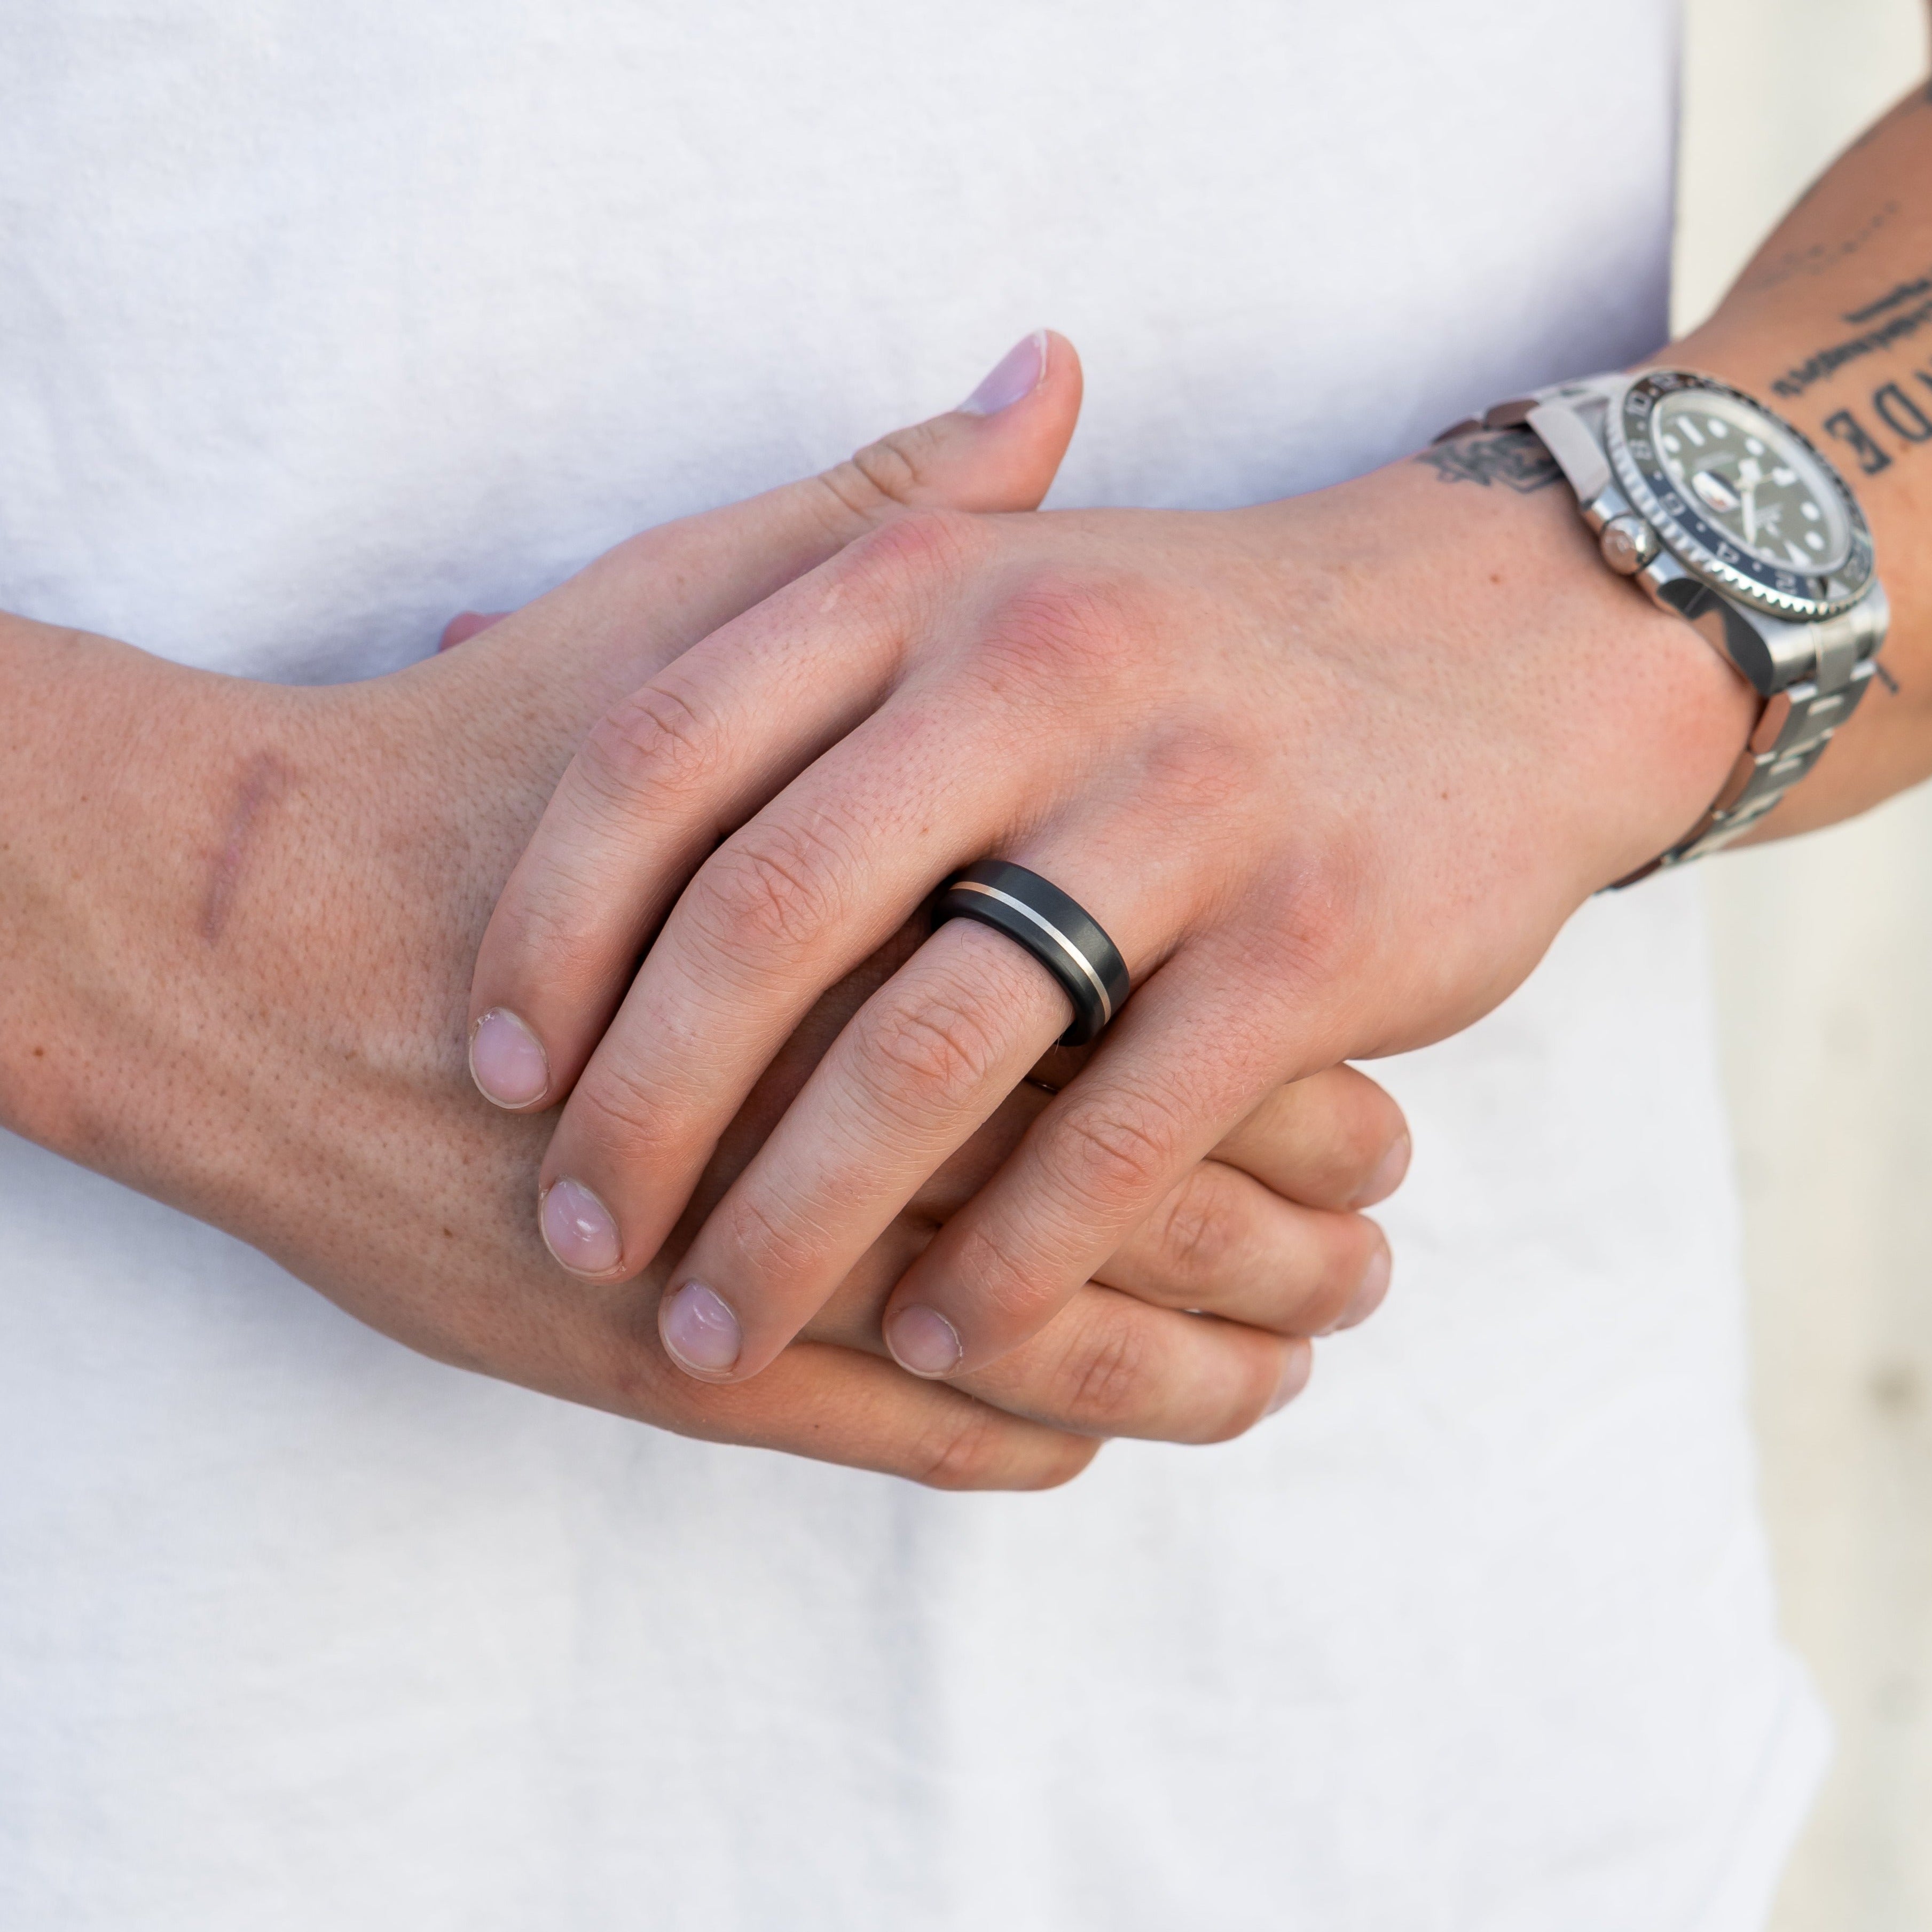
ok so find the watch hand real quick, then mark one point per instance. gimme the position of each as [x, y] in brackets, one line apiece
[1749, 477]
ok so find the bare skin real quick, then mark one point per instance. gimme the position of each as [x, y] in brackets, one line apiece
[236, 921]
[1332, 771]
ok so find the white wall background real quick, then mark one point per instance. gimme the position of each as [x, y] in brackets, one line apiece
[1824, 956]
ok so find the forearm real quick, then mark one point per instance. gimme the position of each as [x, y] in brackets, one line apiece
[1831, 325]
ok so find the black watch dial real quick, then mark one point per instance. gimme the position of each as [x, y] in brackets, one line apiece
[1740, 498]
[1755, 479]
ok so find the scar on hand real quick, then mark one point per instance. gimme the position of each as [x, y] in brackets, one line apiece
[263, 782]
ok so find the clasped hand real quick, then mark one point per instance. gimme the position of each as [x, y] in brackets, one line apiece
[1331, 771]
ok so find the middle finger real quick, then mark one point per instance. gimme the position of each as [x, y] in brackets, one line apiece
[784, 909]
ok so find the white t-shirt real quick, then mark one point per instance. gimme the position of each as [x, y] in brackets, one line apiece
[321, 322]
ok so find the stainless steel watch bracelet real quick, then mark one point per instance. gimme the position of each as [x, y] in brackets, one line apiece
[1809, 676]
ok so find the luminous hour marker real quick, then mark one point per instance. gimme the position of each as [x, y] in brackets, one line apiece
[1752, 444]
[1814, 539]
[1671, 443]
[1716, 427]
[1690, 429]
[1787, 477]
[1810, 510]
[1796, 555]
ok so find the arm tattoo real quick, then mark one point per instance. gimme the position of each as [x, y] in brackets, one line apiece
[1514, 457]
[1906, 291]
[1818, 259]
[1907, 317]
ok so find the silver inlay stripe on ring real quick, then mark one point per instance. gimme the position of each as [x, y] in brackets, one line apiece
[1054, 933]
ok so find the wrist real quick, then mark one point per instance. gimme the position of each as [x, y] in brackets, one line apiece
[1615, 721]
[111, 886]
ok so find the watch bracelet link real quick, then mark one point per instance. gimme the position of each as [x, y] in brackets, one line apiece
[1796, 719]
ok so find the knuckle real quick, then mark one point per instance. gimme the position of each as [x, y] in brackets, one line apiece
[1103, 1377]
[894, 467]
[553, 937]
[847, 496]
[619, 1122]
[921, 545]
[765, 1246]
[883, 478]
[652, 741]
[1115, 1153]
[1065, 627]
[1328, 1135]
[1200, 1235]
[1010, 1285]
[940, 1051]
[1200, 774]
[1317, 934]
[775, 886]
[963, 1453]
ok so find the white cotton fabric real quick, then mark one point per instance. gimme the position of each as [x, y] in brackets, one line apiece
[318, 323]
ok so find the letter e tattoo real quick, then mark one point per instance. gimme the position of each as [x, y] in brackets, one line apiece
[1902, 413]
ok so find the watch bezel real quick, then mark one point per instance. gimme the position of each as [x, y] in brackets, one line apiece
[1704, 549]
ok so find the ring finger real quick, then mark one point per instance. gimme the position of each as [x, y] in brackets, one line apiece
[923, 1062]
[918, 1069]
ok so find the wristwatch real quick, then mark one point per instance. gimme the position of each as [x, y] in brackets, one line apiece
[1729, 517]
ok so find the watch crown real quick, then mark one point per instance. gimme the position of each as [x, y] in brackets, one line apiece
[1628, 543]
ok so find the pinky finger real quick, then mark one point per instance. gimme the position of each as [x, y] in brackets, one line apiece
[1108, 1364]
[1222, 1244]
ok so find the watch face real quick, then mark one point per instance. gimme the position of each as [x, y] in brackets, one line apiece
[1741, 499]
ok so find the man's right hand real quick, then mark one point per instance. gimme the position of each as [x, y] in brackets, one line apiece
[236, 926]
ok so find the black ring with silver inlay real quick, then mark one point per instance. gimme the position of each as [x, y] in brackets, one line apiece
[1036, 914]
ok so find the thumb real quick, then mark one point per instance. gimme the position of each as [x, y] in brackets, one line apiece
[999, 450]
[620, 618]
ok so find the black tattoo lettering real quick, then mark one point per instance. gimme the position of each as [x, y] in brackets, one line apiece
[1829, 362]
[1850, 430]
[1514, 457]
[1906, 291]
[1901, 415]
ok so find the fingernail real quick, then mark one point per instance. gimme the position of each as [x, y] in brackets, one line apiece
[701, 1333]
[578, 1230]
[1016, 374]
[1388, 1176]
[507, 1061]
[1368, 1291]
[1294, 1374]
[923, 1341]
